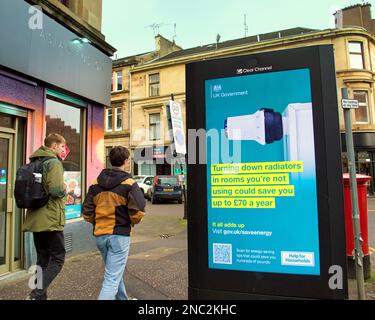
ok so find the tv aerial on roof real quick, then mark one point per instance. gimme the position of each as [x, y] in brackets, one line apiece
[156, 27]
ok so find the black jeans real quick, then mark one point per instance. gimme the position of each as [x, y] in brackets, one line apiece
[50, 249]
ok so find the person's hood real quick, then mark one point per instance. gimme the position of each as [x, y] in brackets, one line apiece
[110, 178]
[43, 152]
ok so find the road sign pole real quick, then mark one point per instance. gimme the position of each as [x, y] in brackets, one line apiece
[184, 192]
[354, 196]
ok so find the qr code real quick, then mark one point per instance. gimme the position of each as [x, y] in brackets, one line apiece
[222, 253]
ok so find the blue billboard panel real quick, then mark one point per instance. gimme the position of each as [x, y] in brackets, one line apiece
[262, 199]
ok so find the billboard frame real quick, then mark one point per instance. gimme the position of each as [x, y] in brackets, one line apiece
[205, 283]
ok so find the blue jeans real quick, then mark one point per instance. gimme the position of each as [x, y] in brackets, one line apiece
[114, 250]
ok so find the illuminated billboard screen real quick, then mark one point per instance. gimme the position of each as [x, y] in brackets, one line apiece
[255, 222]
[267, 219]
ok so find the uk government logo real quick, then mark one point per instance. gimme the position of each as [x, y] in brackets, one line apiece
[217, 91]
[217, 88]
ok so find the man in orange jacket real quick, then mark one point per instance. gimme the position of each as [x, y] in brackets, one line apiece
[114, 204]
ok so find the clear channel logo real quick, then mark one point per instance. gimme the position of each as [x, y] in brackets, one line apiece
[253, 70]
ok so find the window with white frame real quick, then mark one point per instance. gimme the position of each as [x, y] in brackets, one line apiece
[154, 80]
[362, 113]
[118, 118]
[117, 81]
[154, 126]
[356, 55]
[108, 119]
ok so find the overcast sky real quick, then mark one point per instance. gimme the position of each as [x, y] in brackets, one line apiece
[127, 24]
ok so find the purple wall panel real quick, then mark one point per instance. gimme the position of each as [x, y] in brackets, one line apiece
[20, 94]
[27, 96]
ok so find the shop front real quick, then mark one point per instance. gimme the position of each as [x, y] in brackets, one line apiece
[48, 84]
[157, 160]
[152, 161]
[364, 148]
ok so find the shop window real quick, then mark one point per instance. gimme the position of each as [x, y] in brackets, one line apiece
[118, 118]
[154, 126]
[361, 114]
[147, 169]
[345, 162]
[66, 120]
[364, 163]
[6, 121]
[154, 80]
[356, 55]
[108, 120]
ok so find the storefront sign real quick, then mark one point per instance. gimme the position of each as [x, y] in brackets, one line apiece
[50, 54]
[159, 153]
[266, 207]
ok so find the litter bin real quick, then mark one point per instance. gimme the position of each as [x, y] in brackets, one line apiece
[362, 181]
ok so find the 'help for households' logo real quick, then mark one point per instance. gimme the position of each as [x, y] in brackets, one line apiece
[298, 259]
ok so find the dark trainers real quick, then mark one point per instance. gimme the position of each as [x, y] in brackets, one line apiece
[30, 297]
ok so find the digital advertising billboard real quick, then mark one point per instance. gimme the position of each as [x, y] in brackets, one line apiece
[271, 223]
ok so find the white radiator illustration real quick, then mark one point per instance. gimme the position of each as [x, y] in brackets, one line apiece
[294, 127]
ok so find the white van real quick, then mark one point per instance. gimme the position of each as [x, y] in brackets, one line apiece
[145, 183]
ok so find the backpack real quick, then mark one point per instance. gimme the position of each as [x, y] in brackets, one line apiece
[29, 190]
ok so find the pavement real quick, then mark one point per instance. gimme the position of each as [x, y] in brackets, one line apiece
[156, 268]
[157, 265]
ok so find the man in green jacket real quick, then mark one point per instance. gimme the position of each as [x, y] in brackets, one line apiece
[47, 223]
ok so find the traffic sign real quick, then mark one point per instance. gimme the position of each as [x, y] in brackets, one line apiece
[350, 104]
[178, 127]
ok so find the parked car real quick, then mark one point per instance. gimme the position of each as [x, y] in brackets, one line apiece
[145, 184]
[166, 188]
